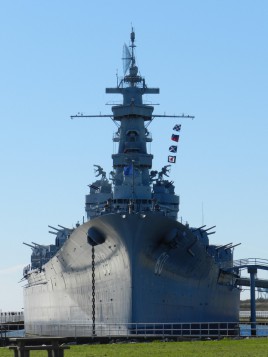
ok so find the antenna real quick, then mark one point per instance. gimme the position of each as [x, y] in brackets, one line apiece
[132, 39]
[126, 58]
[129, 60]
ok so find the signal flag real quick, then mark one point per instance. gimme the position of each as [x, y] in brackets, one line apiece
[175, 137]
[172, 159]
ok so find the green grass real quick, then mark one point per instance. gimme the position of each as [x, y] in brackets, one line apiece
[255, 347]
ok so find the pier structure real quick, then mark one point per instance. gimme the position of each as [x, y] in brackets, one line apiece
[252, 265]
[10, 321]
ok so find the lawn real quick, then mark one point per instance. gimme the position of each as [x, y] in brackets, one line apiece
[252, 347]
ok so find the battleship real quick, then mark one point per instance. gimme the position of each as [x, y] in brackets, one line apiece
[131, 261]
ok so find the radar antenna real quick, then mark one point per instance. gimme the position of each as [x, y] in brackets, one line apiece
[126, 58]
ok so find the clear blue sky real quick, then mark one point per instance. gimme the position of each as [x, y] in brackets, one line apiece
[209, 59]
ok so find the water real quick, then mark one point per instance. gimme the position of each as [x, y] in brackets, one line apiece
[14, 333]
[261, 330]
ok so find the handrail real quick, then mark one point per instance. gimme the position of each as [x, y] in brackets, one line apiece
[126, 330]
[251, 261]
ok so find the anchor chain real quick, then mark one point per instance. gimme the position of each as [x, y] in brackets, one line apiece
[93, 291]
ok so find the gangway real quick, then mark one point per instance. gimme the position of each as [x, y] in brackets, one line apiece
[251, 265]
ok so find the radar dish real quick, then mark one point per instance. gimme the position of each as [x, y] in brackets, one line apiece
[126, 58]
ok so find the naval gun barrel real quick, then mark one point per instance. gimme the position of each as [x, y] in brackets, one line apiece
[39, 245]
[29, 245]
[197, 229]
[223, 246]
[232, 246]
[209, 228]
[62, 227]
[56, 229]
[52, 232]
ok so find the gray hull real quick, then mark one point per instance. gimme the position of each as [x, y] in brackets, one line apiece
[140, 277]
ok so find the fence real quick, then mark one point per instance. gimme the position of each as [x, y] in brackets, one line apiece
[201, 330]
[259, 314]
[6, 317]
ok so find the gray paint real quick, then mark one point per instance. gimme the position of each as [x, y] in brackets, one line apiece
[149, 268]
